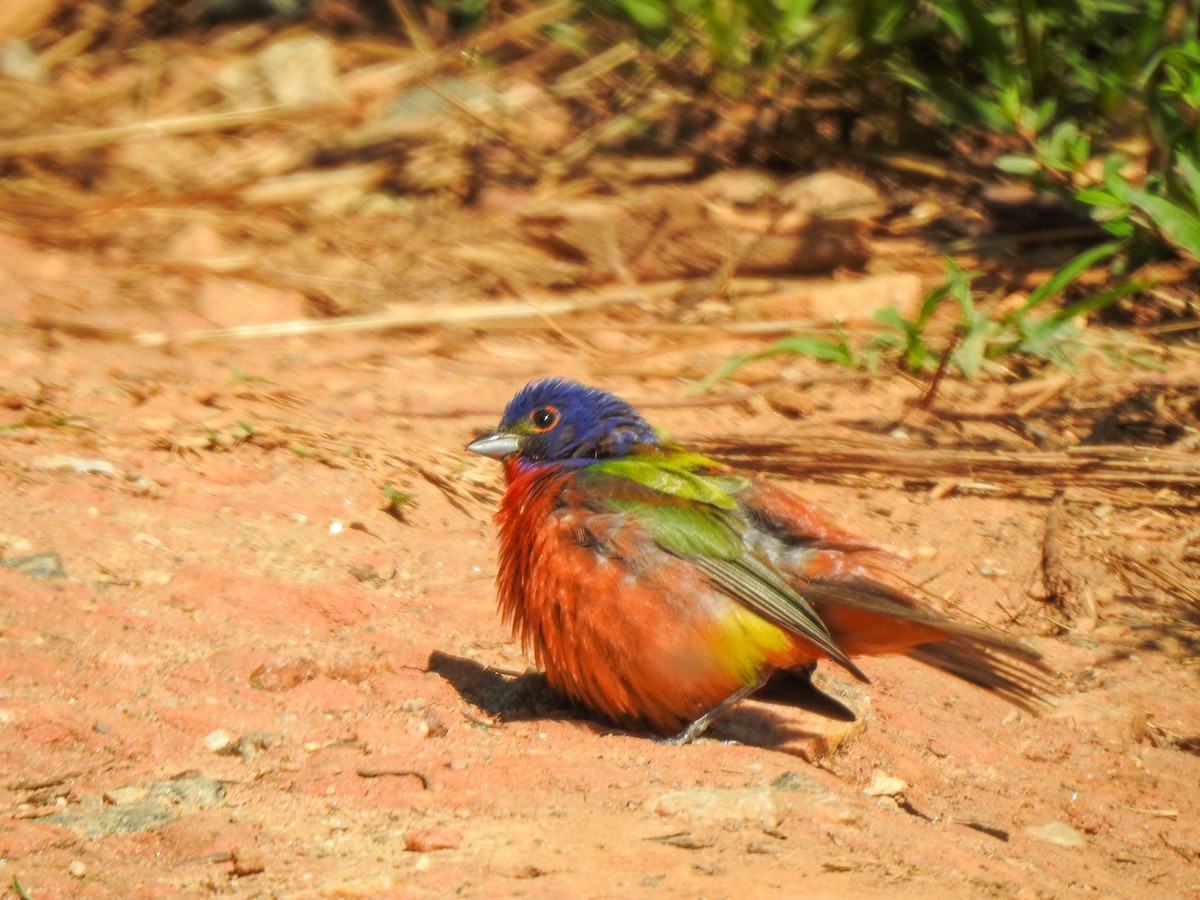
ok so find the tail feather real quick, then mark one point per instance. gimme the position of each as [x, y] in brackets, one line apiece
[1020, 678]
[869, 618]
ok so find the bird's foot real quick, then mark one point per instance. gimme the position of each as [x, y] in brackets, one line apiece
[700, 725]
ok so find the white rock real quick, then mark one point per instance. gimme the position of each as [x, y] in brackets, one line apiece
[885, 785]
[218, 741]
[1059, 833]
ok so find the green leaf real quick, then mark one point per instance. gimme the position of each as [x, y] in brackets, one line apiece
[1018, 165]
[397, 499]
[969, 356]
[1102, 300]
[1191, 174]
[726, 369]
[1062, 147]
[1119, 227]
[1097, 197]
[799, 345]
[1067, 275]
[647, 14]
[958, 286]
[891, 317]
[1114, 163]
[1146, 361]
[818, 348]
[1178, 226]
[1046, 337]
[1045, 113]
[978, 331]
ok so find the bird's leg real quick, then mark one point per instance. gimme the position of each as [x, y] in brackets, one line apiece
[700, 725]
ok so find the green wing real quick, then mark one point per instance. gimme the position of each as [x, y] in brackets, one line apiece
[694, 515]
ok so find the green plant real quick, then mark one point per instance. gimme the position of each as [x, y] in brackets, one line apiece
[238, 435]
[1165, 205]
[1098, 100]
[910, 336]
[838, 351]
[399, 502]
[41, 420]
[981, 338]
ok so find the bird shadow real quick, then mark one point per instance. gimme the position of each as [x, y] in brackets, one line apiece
[529, 697]
[499, 694]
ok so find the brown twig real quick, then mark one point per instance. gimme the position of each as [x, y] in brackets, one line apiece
[364, 772]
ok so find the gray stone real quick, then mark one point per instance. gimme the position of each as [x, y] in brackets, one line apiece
[164, 801]
[806, 798]
[38, 566]
[708, 805]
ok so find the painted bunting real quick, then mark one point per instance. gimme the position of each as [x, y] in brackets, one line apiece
[658, 587]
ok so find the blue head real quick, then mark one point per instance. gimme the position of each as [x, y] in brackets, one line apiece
[555, 419]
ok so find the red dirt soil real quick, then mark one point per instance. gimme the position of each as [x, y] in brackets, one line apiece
[255, 681]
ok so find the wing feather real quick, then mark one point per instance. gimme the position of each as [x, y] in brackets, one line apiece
[693, 515]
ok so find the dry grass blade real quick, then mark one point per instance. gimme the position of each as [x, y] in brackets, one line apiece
[575, 80]
[464, 315]
[303, 186]
[1145, 471]
[60, 142]
[1163, 575]
[390, 77]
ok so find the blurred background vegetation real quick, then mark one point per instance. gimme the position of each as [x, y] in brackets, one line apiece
[1091, 107]
[1094, 100]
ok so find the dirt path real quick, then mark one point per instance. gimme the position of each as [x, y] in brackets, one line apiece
[250, 679]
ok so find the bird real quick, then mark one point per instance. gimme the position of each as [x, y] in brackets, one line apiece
[657, 587]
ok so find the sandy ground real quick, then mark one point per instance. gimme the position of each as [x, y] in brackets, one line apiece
[250, 679]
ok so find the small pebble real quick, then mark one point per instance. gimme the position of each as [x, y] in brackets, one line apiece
[247, 862]
[885, 785]
[219, 741]
[73, 464]
[38, 566]
[123, 796]
[425, 840]
[77, 869]
[1059, 833]
[989, 568]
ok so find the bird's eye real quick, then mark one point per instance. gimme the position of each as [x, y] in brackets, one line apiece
[544, 418]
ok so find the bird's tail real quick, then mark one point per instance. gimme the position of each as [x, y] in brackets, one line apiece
[1009, 670]
[867, 618]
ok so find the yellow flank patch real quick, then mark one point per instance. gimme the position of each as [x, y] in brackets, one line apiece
[743, 640]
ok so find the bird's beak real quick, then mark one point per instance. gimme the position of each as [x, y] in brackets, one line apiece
[496, 444]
